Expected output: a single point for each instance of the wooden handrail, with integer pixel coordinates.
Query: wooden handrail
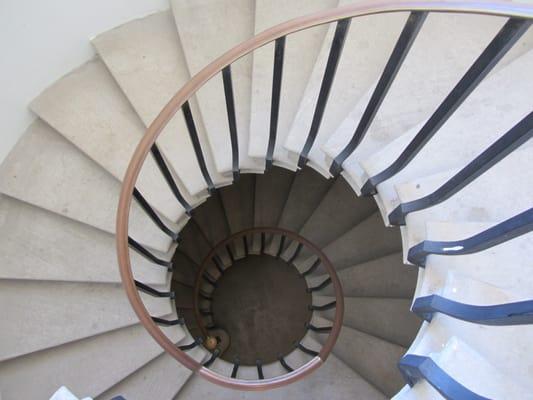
(495, 8)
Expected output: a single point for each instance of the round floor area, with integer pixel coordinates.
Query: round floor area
(262, 304)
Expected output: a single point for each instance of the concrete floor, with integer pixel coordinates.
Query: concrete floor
(262, 303)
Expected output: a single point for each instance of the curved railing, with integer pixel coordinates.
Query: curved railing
(520, 16)
(283, 240)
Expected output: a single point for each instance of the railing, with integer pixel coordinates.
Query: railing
(519, 20)
(281, 238)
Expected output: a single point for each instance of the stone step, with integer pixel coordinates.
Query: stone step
(271, 192)
(300, 53)
(373, 358)
(383, 277)
(43, 246)
(146, 59)
(369, 41)
(35, 318)
(501, 96)
(200, 26)
(365, 242)
(89, 109)
(106, 359)
(390, 319)
(238, 201)
(482, 200)
(411, 100)
(46, 170)
(307, 191)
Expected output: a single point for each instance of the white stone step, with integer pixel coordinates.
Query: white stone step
(161, 378)
(387, 318)
(41, 245)
(504, 346)
(301, 51)
(492, 110)
(373, 358)
(471, 369)
(89, 109)
(35, 317)
(485, 199)
(145, 58)
(206, 32)
(502, 266)
(46, 170)
(420, 86)
(333, 380)
(356, 73)
(383, 277)
(89, 366)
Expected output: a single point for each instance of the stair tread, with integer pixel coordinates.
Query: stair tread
(491, 266)
(383, 29)
(373, 358)
(333, 380)
(271, 191)
(386, 318)
(307, 190)
(93, 308)
(88, 108)
(199, 26)
(41, 245)
(45, 170)
(383, 277)
(211, 219)
(479, 201)
(238, 201)
(301, 51)
(501, 96)
(339, 211)
(106, 358)
(366, 241)
(411, 99)
(146, 59)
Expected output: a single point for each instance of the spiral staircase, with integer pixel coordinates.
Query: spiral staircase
(376, 155)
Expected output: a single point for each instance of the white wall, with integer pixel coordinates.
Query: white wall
(41, 40)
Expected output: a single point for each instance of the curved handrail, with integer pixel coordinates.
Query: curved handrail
(147, 145)
(324, 260)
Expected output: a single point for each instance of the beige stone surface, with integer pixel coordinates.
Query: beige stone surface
(46, 170)
(146, 59)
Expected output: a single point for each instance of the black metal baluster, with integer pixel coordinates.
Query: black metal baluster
(401, 49)
(245, 243)
(153, 215)
(263, 240)
(518, 135)
(259, 365)
(307, 350)
(153, 292)
(236, 364)
(311, 269)
(327, 81)
(190, 346)
(193, 134)
(232, 121)
(279, 51)
(281, 246)
(321, 286)
(296, 253)
(166, 322)
(513, 227)
(161, 164)
(211, 360)
(210, 279)
(318, 329)
(512, 30)
(218, 264)
(324, 307)
(284, 364)
(148, 255)
(517, 313)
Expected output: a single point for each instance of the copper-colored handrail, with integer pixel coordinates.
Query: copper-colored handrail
(337, 287)
(496, 8)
